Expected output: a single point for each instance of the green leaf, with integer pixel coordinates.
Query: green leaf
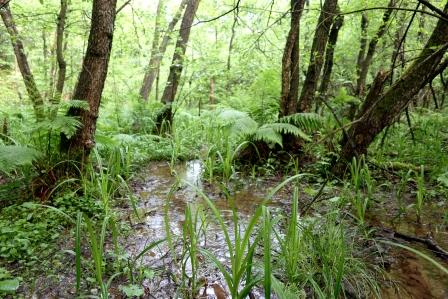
(9, 285)
(132, 290)
(13, 156)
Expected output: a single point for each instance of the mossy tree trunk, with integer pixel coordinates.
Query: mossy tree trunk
(22, 61)
(382, 110)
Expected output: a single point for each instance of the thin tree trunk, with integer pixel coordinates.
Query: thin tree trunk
(91, 79)
(232, 37)
(317, 54)
(381, 111)
(363, 46)
(144, 91)
(290, 62)
(329, 55)
(421, 26)
(62, 65)
(60, 50)
(22, 62)
(169, 94)
(157, 54)
(367, 60)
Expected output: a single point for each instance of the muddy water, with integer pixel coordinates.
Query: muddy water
(154, 194)
(415, 277)
(412, 276)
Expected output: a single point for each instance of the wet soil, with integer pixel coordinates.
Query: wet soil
(408, 275)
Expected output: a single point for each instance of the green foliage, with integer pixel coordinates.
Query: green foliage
(8, 284)
(308, 122)
(26, 231)
(241, 250)
(14, 156)
(320, 254)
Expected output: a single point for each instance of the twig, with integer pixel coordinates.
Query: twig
(401, 43)
(123, 6)
(319, 193)
(428, 242)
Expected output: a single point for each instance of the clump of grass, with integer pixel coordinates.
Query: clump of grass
(363, 185)
(240, 278)
(319, 254)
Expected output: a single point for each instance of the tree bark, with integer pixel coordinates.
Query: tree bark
(169, 94)
(60, 51)
(22, 62)
(362, 47)
(158, 51)
(367, 60)
(317, 54)
(290, 62)
(329, 54)
(381, 111)
(62, 65)
(232, 36)
(91, 79)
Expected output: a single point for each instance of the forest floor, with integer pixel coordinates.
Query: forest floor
(406, 275)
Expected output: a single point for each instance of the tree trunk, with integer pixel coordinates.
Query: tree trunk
(317, 54)
(367, 60)
(290, 62)
(22, 62)
(158, 51)
(62, 65)
(382, 110)
(91, 79)
(232, 37)
(329, 55)
(169, 94)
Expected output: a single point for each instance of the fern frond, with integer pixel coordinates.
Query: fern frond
(267, 134)
(79, 104)
(239, 122)
(60, 124)
(229, 115)
(306, 121)
(13, 156)
(285, 128)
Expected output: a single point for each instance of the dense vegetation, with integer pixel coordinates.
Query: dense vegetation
(235, 149)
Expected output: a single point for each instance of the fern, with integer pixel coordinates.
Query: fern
(14, 156)
(273, 132)
(306, 121)
(77, 104)
(60, 124)
(269, 135)
(238, 122)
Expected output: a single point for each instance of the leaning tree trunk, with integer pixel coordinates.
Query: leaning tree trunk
(317, 54)
(22, 61)
(169, 94)
(290, 62)
(91, 79)
(381, 111)
(158, 51)
(367, 60)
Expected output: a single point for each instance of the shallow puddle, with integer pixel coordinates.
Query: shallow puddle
(412, 276)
